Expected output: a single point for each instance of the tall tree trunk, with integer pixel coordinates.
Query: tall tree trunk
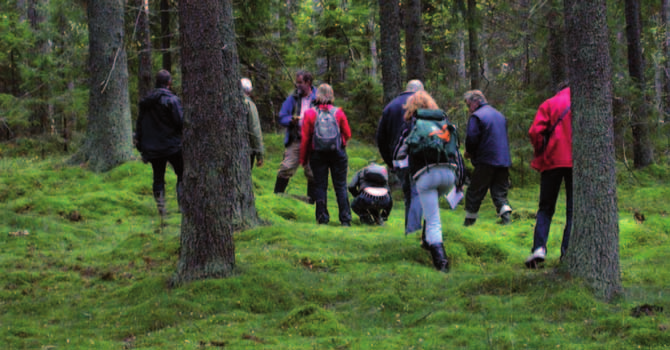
(665, 19)
(108, 134)
(218, 197)
(642, 148)
(557, 62)
(145, 67)
(473, 39)
(373, 46)
(416, 65)
(166, 35)
(593, 253)
(389, 29)
(41, 119)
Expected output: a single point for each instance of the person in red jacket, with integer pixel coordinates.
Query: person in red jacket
(553, 159)
(334, 160)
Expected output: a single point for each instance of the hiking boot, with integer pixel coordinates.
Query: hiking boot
(536, 258)
(367, 220)
(505, 219)
(469, 222)
(440, 260)
(159, 197)
(380, 220)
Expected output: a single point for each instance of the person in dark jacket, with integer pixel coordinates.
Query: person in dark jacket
(372, 197)
(391, 126)
(158, 135)
(291, 117)
(487, 147)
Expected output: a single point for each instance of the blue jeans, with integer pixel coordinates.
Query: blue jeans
(432, 184)
(159, 164)
(413, 211)
(550, 186)
(337, 163)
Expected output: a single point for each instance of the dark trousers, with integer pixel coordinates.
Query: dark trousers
(550, 186)
(483, 178)
(369, 207)
(159, 164)
(337, 162)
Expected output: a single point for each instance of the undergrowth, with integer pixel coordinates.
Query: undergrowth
(85, 265)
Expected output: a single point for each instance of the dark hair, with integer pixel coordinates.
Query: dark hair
(562, 85)
(163, 79)
(306, 76)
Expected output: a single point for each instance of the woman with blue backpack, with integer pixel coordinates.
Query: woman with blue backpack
(432, 149)
(325, 132)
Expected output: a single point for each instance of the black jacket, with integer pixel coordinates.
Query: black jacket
(159, 125)
(391, 125)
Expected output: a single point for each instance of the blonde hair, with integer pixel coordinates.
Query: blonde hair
(324, 95)
(420, 100)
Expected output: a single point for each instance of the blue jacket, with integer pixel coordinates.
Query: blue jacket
(391, 126)
(286, 115)
(486, 138)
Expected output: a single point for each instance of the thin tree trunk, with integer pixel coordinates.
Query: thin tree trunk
(145, 67)
(642, 148)
(166, 35)
(218, 197)
(473, 39)
(108, 133)
(557, 62)
(416, 64)
(665, 19)
(593, 252)
(389, 28)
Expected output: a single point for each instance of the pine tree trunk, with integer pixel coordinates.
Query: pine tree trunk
(166, 35)
(413, 41)
(642, 148)
(108, 133)
(145, 67)
(557, 62)
(389, 29)
(218, 196)
(593, 253)
(473, 39)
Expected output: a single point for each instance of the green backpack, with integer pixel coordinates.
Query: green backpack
(433, 139)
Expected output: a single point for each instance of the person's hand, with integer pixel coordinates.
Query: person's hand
(295, 119)
(259, 162)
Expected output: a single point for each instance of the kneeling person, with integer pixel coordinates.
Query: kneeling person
(372, 202)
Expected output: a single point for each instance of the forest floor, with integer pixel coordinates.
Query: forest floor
(85, 265)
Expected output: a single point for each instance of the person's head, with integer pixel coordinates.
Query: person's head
(474, 99)
(163, 79)
(414, 86)
(562, 85)
(420, 100)
(246, 86)
(303, 82)
(324, 95)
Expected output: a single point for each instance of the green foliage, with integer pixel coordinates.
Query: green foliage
(92, 271)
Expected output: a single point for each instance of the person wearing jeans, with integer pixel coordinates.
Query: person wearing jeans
(553, 160)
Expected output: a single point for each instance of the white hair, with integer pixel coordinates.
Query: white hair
(246, 85)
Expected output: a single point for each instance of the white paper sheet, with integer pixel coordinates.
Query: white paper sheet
(454, 197)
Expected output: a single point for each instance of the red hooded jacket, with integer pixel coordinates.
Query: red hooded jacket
(308, 130)
(558, 153)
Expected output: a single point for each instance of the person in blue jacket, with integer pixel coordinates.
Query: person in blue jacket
(487, 147)
(290, 117)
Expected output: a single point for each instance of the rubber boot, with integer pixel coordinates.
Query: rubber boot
(280, 184)
(440, 260)
(159, 197)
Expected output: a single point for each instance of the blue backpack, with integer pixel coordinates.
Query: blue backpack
(326, 131)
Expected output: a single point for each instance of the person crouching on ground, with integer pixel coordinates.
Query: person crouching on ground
(325, 132)
(372, 199)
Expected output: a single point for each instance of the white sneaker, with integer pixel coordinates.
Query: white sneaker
(537, 257)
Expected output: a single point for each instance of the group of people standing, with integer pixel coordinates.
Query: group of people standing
(310, 116)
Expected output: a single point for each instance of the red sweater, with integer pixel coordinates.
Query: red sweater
(559, 148)
(309, 118)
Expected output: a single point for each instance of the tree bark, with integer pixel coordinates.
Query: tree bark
(665, 15)
(166, 35)
(642, 148)
(108, 133)
(416, 63)
(473, 40)
(557, 62)
(218, 196)
(389, 29)
(145, 67)
(593, 253)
